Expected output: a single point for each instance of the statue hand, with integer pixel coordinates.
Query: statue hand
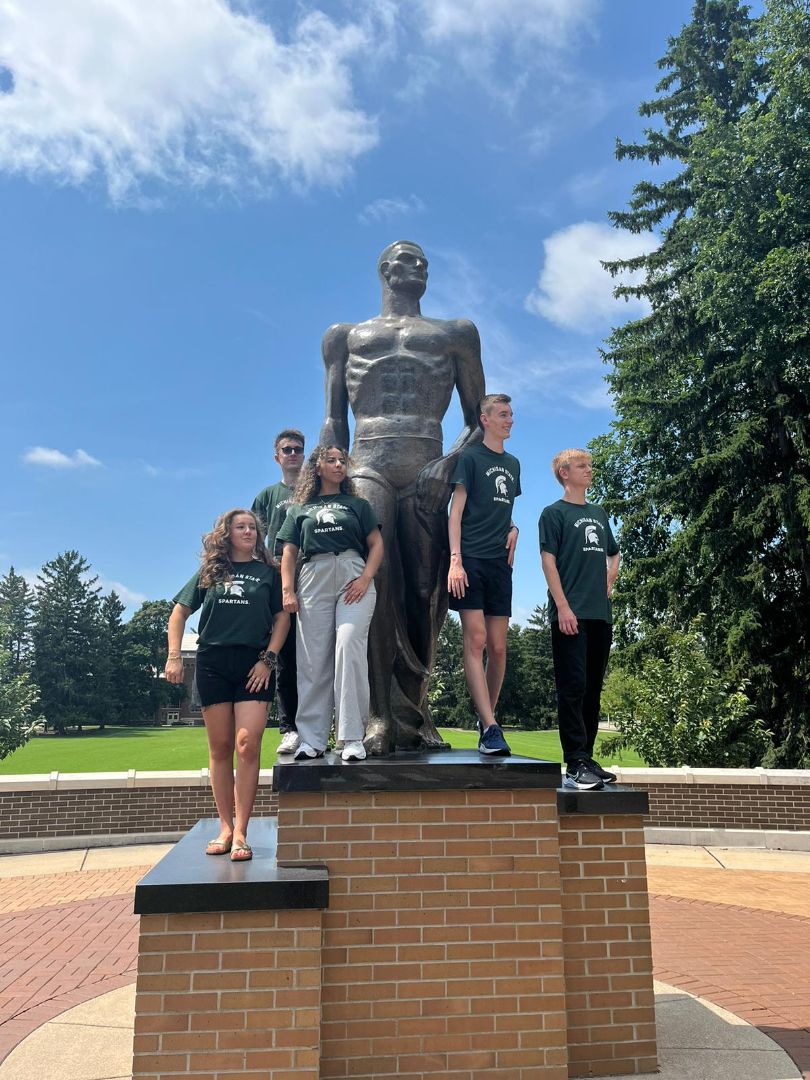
(433, 485)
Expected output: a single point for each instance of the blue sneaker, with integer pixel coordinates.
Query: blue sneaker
(491, 741)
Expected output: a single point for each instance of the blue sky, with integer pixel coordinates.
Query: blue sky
(194, 190)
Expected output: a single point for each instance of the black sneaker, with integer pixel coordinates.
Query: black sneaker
(580, 776)
(605, 776)
(491, 741)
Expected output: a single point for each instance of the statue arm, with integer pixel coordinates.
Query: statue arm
(433, 482)
(335, 351)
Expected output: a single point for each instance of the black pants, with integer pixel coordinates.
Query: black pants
(287, 683)
(580, 662)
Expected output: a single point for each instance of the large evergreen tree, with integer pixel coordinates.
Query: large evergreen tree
(16, 600)
(708, 463)
(146, 649)
(66, 641)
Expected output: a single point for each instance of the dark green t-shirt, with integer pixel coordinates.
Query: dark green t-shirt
(580, 538)
(238, 612)
(492, 482)
(328, 524)
(271, 506)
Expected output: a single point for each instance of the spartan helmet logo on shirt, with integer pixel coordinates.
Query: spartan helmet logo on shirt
(591, 535)
(325, 517)
(500, 485)
(233, 588)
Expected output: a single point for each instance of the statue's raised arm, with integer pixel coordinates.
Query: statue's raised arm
(335, 352)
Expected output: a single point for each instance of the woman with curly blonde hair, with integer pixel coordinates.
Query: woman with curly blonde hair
(341, 546)
(242, 627)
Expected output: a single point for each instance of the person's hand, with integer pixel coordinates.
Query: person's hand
(174, 670)
(567, 620)
(258, 678)
(511, 544)
(457, 579)
(356, 589)
(289, 601)
(433, 485)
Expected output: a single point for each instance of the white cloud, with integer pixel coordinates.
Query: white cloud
(192, 92)
(384, 209)
(128, 597)
(549, 22)
(574, 290)
(55, 459)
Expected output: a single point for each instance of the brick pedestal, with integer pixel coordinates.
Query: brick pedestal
(606, 935)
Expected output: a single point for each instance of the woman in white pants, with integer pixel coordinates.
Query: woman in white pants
(332, 528)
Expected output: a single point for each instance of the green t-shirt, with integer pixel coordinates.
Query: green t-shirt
(492, 482)
(237, 612)
(271, 506)
(328, 524)
(580, 538)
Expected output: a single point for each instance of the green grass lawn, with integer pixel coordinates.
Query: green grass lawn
(120, 749)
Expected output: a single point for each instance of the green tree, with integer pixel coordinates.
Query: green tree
(113, 675)
(708, 463)
(676, 710)
(66, 641)
(16, 600)
(146, 648)
(19, 718)
(448, 698)
(539, 687)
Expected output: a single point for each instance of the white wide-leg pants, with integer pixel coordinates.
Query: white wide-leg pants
(331, 650)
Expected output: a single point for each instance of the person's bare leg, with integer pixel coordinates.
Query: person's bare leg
(474, 637)
(497, 627)
(219, 727)
(250, 723)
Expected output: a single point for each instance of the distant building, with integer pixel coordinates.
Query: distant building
(188, 711)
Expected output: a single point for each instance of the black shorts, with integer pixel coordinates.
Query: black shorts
(489, 589)
(222, 673)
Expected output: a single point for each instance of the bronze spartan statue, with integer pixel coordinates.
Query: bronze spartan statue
(397, 372)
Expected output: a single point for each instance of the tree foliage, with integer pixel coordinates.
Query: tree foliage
(676, 710)
(19, 718)
(16, 601)
(708, 462)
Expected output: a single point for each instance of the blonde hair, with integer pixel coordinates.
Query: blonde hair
(566, 458)
(215, 558)
(309, 480)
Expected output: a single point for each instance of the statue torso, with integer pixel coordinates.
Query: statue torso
(400, 375)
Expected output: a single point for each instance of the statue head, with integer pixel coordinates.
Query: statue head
(403, 268)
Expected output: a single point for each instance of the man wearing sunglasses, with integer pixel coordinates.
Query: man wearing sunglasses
(271, 506)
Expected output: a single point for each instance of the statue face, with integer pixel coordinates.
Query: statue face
(406, 271)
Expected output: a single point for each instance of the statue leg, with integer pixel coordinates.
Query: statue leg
(382, 638)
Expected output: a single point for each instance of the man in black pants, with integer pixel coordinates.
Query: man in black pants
(580, 561)
(271, 506)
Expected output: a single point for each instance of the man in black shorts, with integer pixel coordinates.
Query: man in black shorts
(271, 506)
(482, 549)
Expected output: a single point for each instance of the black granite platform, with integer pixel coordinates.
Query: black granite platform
(403, 771)
(612, 799)
(186, 879)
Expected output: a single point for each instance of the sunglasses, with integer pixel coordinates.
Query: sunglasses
(288, 450)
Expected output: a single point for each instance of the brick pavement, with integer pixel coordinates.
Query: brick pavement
(740, 938)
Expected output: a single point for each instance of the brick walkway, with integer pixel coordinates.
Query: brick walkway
(64, 938)
(740, 938)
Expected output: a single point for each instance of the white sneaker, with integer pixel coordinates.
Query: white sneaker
(306, 751)
(289, 743)
(353, 751)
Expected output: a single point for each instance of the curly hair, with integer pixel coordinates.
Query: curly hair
(309, 482)
(215, 557)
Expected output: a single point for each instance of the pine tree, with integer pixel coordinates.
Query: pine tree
(16, 600)
(708, 464)
(66, 641)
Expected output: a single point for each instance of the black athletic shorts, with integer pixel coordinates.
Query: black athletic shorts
(489, 589)
(222, 672)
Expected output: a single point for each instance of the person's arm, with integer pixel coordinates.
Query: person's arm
(566, 618)
(456, 578)
(177, 624)
(358, 587)
(259, 675)
(335, 352)
(612, 571)
(511, 543)
(288, 560)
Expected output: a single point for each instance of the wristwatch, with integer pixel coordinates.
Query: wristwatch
(268, 657)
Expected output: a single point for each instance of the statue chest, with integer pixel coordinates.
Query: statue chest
(401, 358)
